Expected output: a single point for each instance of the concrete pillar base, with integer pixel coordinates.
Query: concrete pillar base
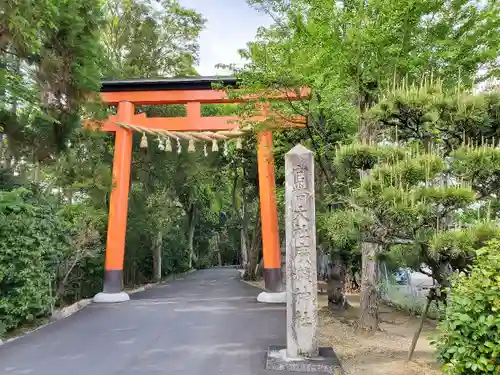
(103, 297)
(267, 297)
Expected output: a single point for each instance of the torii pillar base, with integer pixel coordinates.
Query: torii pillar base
(269, 297)
(103, 297)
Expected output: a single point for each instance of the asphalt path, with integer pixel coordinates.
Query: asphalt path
(205, 323)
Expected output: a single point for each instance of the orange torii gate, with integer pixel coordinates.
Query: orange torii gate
(192, 92)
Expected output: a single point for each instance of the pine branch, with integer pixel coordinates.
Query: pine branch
(401, 241)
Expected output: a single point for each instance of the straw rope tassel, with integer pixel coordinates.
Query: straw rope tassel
(205, 150)
(144, 141)
(161, 147)
(168, 145)
(192, 137)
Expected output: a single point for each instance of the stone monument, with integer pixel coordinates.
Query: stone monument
(301, 352)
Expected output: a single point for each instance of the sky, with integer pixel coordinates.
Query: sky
(230, 25)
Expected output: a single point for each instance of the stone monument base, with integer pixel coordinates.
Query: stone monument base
(327, 362)
(111, 297)
(268, 297)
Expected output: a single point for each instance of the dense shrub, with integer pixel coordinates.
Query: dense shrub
(79, 272)
(32, 239)
(469, 337)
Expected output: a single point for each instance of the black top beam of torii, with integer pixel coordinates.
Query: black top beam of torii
(163, 84)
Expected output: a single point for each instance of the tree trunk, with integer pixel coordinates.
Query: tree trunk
(253, 251)
(351, 285)
(157, 256)
(336, 285)
(244, 230)
(217, 250)
(69, 195)
(368, 318)
(192, 217)
(244, 251)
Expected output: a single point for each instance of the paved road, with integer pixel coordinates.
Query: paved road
(208, 323)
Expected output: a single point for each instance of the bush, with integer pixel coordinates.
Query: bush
(469, 337)
(31, 239)
(79, 272)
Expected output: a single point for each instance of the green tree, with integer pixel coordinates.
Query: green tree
(50, 63)
(349, 53)
(418, 196)
(144, 39)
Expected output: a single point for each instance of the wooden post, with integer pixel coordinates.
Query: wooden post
(430, 297)
(117, 220)
(268, 212)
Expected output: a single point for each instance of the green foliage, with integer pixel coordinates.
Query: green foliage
(50, 62)
(348, 52)
(345, 228)
(479, 166)
(33, 239)
(424, 194)
(461, 243)
(450, 118)
(432, 202)
(412, 199)
(78, 273)
(7, 180)
(469, 337)
(146, 39)
(51, 57)
(357, 156)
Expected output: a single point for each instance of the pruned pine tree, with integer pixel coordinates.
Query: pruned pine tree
(435, 202)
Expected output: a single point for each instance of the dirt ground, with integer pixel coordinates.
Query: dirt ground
(385, 352)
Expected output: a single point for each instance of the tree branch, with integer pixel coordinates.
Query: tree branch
(401, 241)
(424, 272)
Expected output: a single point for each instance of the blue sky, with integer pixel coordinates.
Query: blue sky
(230, 25)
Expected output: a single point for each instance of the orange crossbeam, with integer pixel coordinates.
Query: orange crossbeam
(187, 96)
(192, 124)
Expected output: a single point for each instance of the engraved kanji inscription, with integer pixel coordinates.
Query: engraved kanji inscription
(301, 253)
(302, 237)
(299, 178)
(299, 203)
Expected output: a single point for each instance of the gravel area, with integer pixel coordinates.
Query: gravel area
(383, 353)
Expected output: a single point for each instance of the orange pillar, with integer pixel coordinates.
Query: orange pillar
(118, 208)
(268, 213)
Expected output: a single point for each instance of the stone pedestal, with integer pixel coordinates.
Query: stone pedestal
(301, 352)
(326, 361)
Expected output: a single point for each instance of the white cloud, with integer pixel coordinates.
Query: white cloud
(230, 25)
